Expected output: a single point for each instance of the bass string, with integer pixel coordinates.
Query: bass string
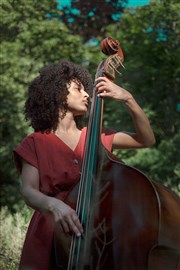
(84, 194)
(85, 187)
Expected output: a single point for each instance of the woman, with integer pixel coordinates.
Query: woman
(50, 159)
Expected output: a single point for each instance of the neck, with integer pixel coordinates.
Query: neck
(66, 124)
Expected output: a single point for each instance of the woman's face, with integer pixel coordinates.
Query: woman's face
(77, 99)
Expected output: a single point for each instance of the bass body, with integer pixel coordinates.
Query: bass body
(130, 222)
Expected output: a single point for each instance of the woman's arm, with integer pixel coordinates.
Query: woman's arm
(144, 136)
(37, 200)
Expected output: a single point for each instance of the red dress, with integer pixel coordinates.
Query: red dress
(59, 170)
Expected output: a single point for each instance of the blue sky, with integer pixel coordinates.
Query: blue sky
(132, 3)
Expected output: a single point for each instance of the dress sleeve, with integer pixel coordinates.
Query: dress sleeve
(107, 136)
(26, 150)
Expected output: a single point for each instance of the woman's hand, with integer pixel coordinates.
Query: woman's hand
(143, 136)
(65, 216)
(106, 88)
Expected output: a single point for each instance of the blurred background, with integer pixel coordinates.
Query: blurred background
(35, 33)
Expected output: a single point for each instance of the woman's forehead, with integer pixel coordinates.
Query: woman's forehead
(76, 82)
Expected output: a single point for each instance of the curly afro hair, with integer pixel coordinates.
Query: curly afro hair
(47, 94)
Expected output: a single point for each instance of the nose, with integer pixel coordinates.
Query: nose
(85, 94)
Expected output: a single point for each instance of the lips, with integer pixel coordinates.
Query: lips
(86, 102)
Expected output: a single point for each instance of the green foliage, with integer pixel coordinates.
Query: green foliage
(12, 233)
(32, 36)
(150, 39)
(30, 39)
(160, 163)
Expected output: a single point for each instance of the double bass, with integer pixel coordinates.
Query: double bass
(129, 221)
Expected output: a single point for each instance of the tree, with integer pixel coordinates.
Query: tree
(31, 37)
(150, 39)
(89, 18)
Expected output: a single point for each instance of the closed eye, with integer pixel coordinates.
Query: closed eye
(78, 88)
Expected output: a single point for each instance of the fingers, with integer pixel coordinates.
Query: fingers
(75, 225)
(102, 81)
(66, 217)
(64, 226)
(103, 90)
(71, 223)
(107, 88)
(103, 87)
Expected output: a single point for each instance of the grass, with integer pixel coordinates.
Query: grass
(13, 228)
